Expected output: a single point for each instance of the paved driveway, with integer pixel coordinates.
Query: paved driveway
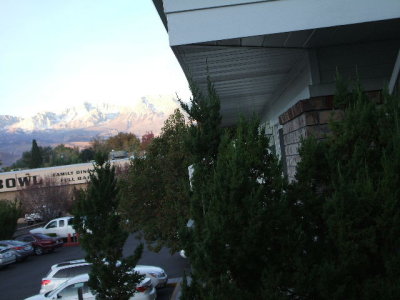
(21, 280)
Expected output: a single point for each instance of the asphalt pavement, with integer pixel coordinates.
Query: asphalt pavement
(21, 280)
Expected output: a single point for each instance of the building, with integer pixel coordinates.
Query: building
(74, 176)
(279, 58)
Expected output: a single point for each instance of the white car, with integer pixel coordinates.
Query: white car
(59, 273)
(62, 227)
(158, 277)
(69, 290)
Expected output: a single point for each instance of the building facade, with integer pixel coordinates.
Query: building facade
(74, 176)
(279, 59)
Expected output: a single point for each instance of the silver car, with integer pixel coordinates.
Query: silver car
(71, 288)
(22, 249)
(7, 256)
(61, 272)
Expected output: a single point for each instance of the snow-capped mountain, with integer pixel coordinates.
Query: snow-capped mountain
(79, 124)
(6, 120)
(89, 115)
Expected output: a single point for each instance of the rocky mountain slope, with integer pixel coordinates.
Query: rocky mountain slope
(78, 125)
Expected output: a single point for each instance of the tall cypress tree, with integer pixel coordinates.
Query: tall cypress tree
(102, 237)
(202, 142)
(235, 244)
(36, 156)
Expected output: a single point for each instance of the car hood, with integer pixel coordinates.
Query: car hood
(36, 230)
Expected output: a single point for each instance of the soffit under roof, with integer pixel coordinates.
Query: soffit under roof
(248, 72)
(245, 78)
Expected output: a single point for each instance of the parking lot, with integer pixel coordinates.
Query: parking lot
(21, 280)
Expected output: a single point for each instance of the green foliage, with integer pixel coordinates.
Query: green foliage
(62, 155)
(202, 141)
(36, 156)
(155, 198)
(86, 155)
(205, 132)
(9, 214)
(344, 206)
(23, 162)
(123, 141)
(235, 244)
(99, 224)
(331, 234)
(120, 142)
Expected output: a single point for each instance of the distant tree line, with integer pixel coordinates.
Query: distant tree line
(47, 156)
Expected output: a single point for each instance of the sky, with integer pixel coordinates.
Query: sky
(59, 53)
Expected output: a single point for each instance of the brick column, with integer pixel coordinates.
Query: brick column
(306, 118)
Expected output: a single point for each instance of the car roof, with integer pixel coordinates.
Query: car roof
(82, 261)
(67, 265)
(36, 235)
(143, 268)
(62, 218)
(12, 242)
(85, 277)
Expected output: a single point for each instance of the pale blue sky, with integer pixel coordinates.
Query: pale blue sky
(58, 53)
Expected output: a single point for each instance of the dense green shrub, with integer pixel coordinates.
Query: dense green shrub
(9, 213)
(344, 207)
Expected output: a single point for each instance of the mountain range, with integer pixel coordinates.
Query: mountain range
(78, 125)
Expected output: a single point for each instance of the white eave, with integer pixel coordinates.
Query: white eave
(258, 52)
(193, 21)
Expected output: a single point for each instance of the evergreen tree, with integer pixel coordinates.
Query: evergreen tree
(205, 130)
(202, 141)
(155, 193)
(9, 214)
(99, 224)
(234, 247)
(344, 205)
(36, 156)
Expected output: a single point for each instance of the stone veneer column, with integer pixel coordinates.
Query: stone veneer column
(309, 118)
(306, 118)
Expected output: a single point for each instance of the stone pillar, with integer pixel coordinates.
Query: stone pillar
(306, 118)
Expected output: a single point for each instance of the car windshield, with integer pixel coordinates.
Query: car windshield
(59, 288)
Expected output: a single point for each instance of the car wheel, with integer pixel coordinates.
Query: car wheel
(39, 251)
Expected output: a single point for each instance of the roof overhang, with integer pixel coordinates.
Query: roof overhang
(252, 50)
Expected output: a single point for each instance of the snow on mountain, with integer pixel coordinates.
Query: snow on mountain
(6, 120)
(79, 124)
(125, 118)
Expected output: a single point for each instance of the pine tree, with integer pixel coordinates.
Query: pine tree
(202, 142)
(99, 224)
(344, 205)
(234, 245)
(36, 156)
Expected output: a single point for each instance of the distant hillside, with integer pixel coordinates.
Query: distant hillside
(78, 125)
